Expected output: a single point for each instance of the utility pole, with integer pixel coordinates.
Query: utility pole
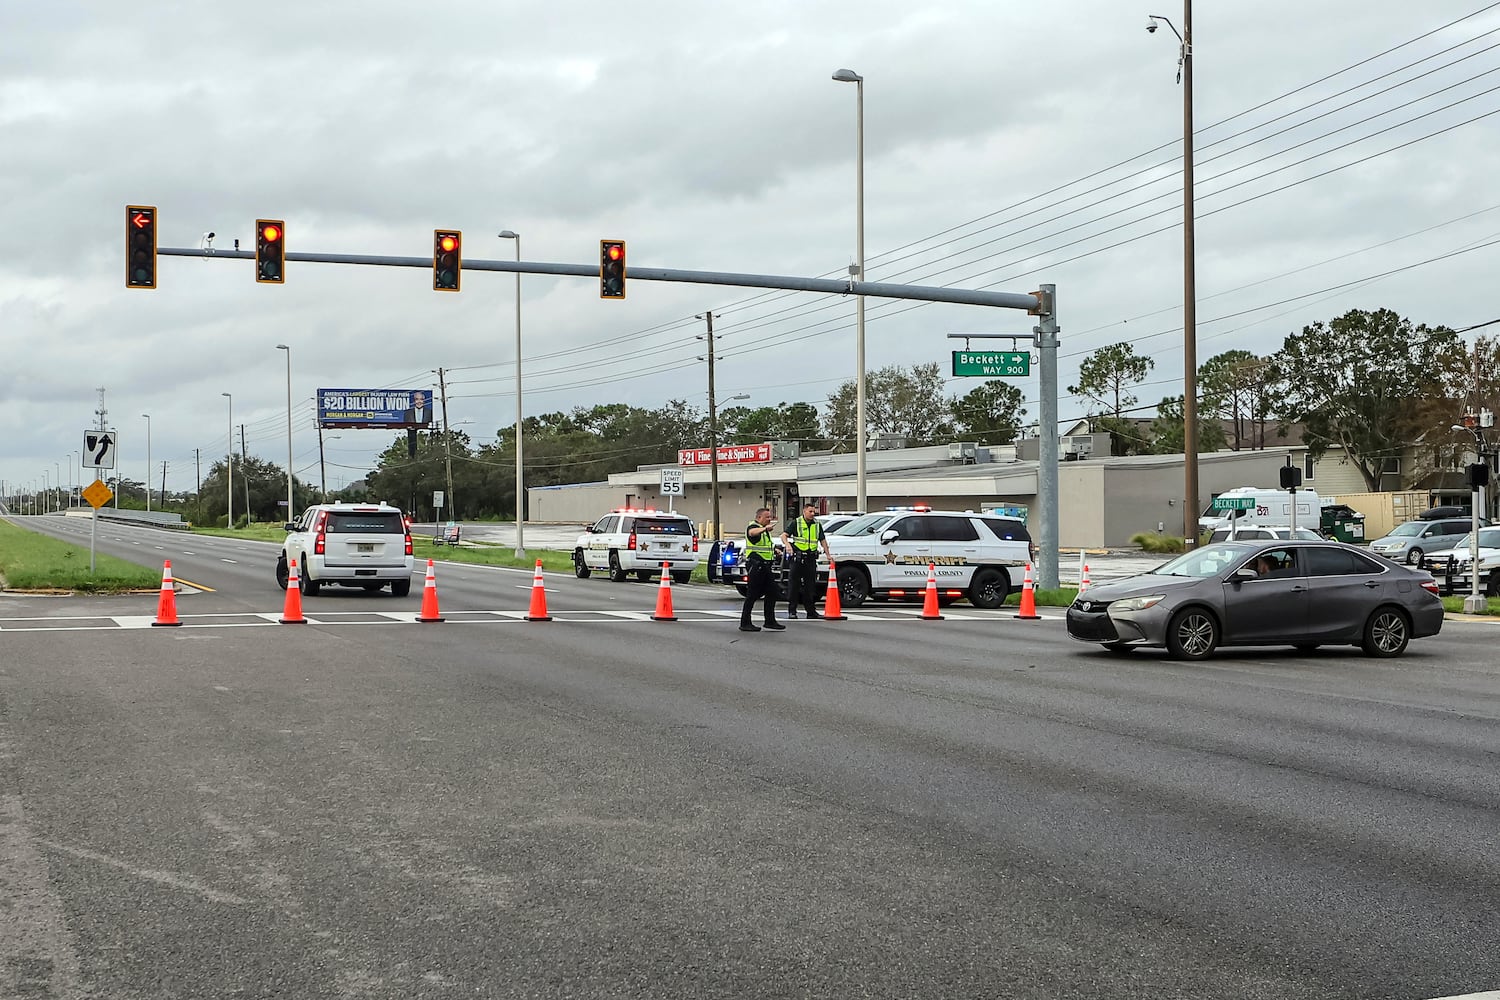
(448, 450)
(713, 433)
(164, 484)
(245, 475)
(1046, 473)
(322, 464)
(198, 464)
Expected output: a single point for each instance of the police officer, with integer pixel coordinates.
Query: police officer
(759, 585)
(802, 540)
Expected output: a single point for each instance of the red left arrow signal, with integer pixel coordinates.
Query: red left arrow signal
(141, 220)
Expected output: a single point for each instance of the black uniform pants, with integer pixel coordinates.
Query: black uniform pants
(759, 586)
(802, 580)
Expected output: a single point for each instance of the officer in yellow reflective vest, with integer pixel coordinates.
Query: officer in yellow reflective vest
(759, 585)
(802, 540)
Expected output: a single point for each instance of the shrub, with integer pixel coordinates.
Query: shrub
(1152, 542)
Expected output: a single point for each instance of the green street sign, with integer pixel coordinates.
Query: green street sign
(992, 364)
(1233, 503)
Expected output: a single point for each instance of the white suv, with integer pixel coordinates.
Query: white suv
(353, 544)
(638, 540)
(979, 556)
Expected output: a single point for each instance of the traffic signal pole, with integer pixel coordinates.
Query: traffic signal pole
(833, 286)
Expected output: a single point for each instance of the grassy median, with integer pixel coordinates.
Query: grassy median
(29, 561)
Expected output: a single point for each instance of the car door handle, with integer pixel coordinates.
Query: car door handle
(1298, 589)
(1371, 584)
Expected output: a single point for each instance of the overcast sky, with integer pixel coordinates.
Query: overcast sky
(1007, 144)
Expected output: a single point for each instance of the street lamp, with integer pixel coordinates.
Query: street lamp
(858, 272)
(1189, 280)
(148, 461)
(229, 461)
(289, 511)
(520, 477)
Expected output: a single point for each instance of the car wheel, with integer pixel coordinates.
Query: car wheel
(1414, 557)
(854, 586)
(1386, 633)
(400, 588)
(283, 575)
(744, 590)
(581, 568)
(309, 586)
(616, 574)
(1192, 634)
(682, 575)
(1492, 589)
(988, 589)
(1119, 648)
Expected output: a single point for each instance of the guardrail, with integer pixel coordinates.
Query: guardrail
(150, 519)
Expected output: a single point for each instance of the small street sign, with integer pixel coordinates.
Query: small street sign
(1233, 503)
(437, 499)
(992, 364)
(99, 449)
(97, 494)
(671, 483)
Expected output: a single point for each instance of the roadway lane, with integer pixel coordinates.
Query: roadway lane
(969, 808)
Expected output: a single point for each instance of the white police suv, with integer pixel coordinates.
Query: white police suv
(981, 557)
(637, 540)
(351, 544)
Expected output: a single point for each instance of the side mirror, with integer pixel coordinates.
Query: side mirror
(289, 526)
(889, 535)
(1244, 573)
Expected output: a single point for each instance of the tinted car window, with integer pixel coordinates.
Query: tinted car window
(1279, 562)
(1006, 530)
(1331, 562)
(1455, 527)
(912, 529)
(869, 524)
(1366, 564)
(365, 524)
(663, 526)
(606, 524)
(950, 528)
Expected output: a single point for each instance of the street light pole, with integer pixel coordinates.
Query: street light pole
(229, 462)
(148, 461)
(849, 76)
(520, 474)
(289, 511)
(1189, 279)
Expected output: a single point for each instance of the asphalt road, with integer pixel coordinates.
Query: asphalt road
(606, 806)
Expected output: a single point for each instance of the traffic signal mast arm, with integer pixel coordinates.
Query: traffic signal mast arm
(877, 289)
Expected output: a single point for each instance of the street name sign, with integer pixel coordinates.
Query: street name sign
(1233, 503)
(992, 364)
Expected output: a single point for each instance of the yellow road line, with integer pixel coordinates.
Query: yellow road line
(195, 586)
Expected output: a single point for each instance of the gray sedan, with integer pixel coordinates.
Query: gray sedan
(1283, 593)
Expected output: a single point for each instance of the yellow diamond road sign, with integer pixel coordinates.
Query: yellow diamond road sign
(97, 494)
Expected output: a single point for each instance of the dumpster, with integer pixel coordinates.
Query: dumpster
(1343, 524)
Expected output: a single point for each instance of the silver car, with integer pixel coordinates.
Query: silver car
(1284, 593)
(1407, 542)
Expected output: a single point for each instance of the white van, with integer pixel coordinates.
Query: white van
(1271, 507)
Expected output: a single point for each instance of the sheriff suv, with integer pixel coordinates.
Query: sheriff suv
(982, 557)
(637, 540)
(351, 544)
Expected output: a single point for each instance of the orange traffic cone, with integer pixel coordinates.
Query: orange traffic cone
(1083, 584)
(291, 614)
(833, 611)
(930, 601)
(1028, 598)
(538, 612)
(664, 597)
(166, 601)
(429, 598)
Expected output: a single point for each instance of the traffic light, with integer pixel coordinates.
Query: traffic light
(270, 251)
(1479, 475)
(447, 259)
(140, 246)
(611, 269)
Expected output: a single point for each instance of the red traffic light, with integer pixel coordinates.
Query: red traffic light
(140, 246)
(271, 234)
(611, 269)
(448, 243)
(447, 259)
(616, 252)
(270, 251)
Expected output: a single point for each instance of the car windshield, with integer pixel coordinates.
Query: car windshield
(867, 525)
(1489, 538)
(1211, 560)
(1408, 529)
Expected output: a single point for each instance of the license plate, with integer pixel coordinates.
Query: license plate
(364, 547)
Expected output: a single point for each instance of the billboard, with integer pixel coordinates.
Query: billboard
(384, 408)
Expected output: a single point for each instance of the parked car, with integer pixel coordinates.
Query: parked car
(1295, 593)
(1407, 542)
(1452, 567)
(637, 540)
(1261, 533)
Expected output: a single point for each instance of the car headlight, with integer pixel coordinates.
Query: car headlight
(1138, 603)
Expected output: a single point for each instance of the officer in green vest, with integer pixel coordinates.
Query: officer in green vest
(802, 540)
(759, 555)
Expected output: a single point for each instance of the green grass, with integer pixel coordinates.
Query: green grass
(1456, 605)
(1151, 542)
(1059, 598)
(255, 532)
(29, 561)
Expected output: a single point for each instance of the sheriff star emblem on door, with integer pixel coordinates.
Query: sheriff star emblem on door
(890, 556)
